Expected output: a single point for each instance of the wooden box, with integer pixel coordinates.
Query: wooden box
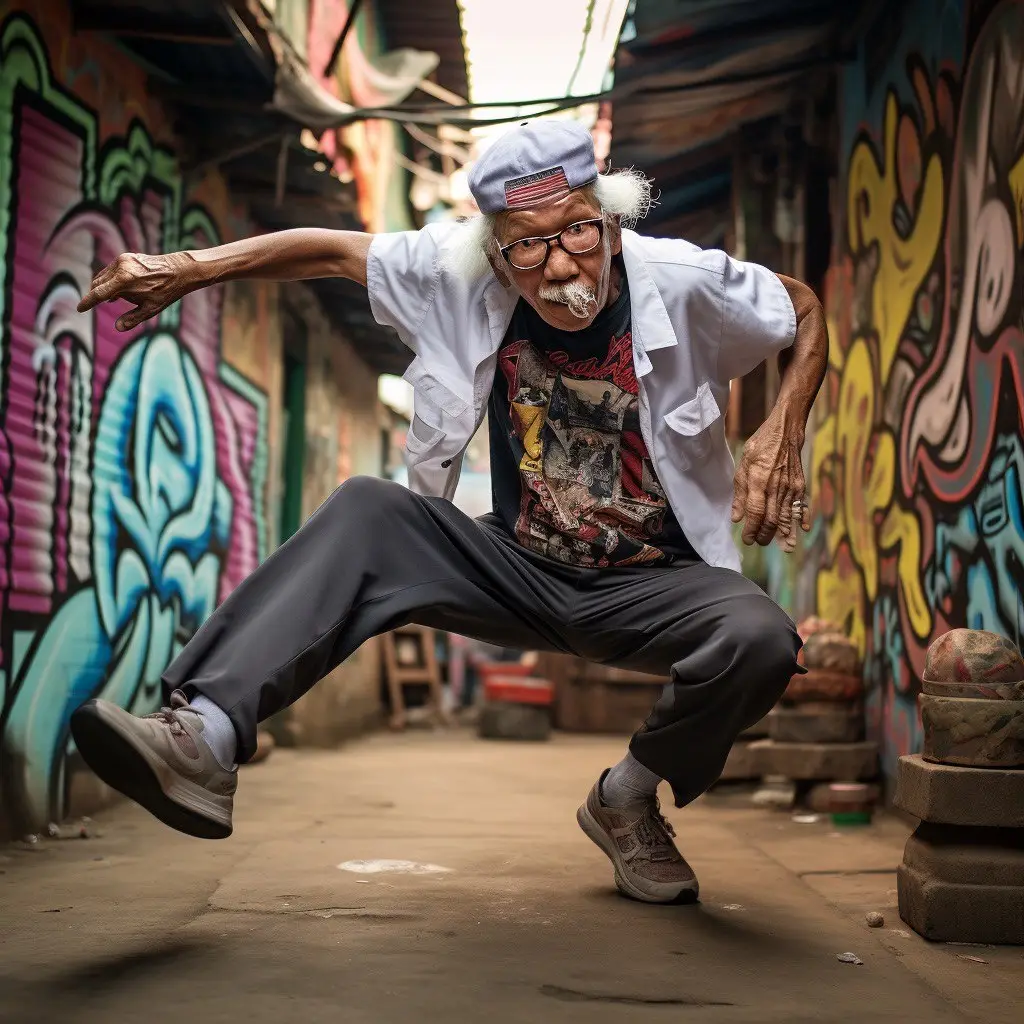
(597, 698)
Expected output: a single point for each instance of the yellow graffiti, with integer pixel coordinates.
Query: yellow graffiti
(840, 598)
(901, 529)
(858, 455)
(1017, 190)
(854, 451)
(903, 262)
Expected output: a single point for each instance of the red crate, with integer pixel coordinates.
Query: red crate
(488, 669)
(519, 690)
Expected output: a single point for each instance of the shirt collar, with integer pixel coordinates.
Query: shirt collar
(652, 328)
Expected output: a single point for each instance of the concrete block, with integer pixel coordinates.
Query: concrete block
(956, 795)
(819, 684)
(499, 721)
(974, 732)
(832, 652)
(836, 761)
(963, 884)
(817, 722)
(967, 854)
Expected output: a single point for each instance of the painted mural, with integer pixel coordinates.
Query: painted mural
(917, 468)
(132, 465)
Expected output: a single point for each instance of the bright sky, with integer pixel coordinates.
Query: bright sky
(527, 49)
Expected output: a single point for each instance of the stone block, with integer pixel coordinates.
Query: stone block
(832, 652)
(975, 656)
(974, 732)
(819, 685)
(500, 721)
(817, 722)
(846, 761)
(742, 763)
(956, 795)
(963, 884)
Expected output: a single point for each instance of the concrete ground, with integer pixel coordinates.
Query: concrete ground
(142, 924)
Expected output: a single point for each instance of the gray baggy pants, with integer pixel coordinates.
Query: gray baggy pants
(375, 556)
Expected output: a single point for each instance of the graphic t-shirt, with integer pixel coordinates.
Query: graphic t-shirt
(571, 475)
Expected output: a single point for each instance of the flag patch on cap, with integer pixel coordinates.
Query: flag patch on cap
(532, 188)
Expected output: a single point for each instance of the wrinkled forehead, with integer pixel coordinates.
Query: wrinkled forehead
(547, 218)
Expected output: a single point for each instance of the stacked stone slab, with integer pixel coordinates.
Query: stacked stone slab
(962, 877)
(816, 732)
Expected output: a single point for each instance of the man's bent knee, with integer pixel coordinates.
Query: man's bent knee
(369, 496)
(764, 640)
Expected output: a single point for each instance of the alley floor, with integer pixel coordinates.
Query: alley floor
(142, 924)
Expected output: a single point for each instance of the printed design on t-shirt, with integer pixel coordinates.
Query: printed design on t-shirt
(590, 495)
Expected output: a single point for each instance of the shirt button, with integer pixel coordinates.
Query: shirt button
(446, 463)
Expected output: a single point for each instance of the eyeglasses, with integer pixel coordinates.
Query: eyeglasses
(577, 239)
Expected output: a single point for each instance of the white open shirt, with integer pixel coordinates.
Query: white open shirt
(700, 319)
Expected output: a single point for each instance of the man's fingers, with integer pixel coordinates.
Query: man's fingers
(102, 292)
(786, 513)
(775, 494)
(756, 506)
(739, 501)
(129, 320)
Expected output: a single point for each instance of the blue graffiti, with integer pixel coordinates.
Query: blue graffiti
(982, 550)
(160, 518)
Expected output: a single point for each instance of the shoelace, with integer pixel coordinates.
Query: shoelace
(171, 716)
(656, 833)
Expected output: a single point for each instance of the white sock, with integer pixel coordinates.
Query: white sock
(218, 731)
(628, 782)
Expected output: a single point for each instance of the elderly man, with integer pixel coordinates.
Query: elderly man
(602, 360)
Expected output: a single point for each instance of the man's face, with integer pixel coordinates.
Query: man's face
(548, 286)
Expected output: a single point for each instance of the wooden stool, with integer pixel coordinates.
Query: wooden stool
(425, 670)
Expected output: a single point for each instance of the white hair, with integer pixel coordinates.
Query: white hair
(624, 194)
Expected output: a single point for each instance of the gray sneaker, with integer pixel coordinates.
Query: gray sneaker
(161, 762)
(638, 841)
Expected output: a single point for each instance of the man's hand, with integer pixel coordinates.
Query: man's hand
(151, 283)
(770, 484)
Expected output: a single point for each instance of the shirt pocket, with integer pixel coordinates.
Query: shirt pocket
(695, 425)
(421, 437)
(438, 411)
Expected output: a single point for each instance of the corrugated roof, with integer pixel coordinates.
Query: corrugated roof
(693, 73)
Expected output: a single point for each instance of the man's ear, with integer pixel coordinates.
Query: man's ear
(497, 264)
(615, 234)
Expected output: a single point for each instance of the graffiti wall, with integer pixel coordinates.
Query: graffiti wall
(132, 466)
(918, 461)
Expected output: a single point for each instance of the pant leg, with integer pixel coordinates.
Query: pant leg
(374, 556)
(729, 652)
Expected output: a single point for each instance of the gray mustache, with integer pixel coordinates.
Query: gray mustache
(578, 298)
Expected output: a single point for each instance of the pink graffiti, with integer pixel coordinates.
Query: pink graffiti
(59, 363)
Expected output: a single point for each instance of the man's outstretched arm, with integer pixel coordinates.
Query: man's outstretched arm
(770, 477)
(152, 283)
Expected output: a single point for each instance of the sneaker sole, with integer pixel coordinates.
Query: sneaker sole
(142, 777)
(670, 893)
